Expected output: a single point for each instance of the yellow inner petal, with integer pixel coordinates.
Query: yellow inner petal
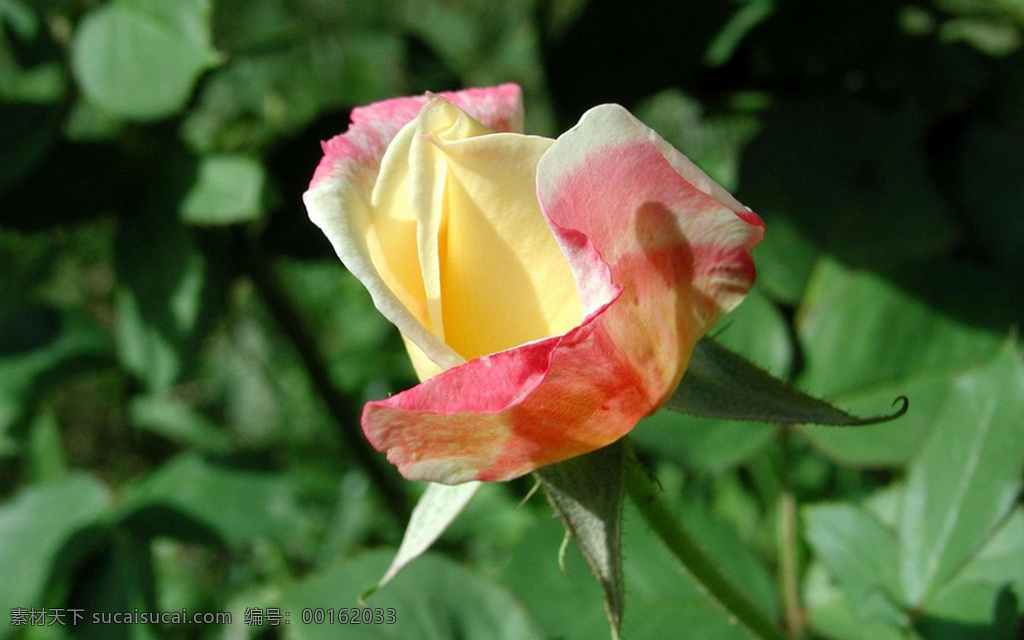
(391, 229)
(504, 279)
(457, 233)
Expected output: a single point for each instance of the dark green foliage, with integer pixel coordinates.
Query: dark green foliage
(170, 320)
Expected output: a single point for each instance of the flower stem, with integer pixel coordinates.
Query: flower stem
(342, 408)
(701, 567)
(789, 567)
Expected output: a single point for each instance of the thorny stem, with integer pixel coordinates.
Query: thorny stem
(343, 408)
(694, 559)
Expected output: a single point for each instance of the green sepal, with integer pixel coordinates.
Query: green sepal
(436, 510)
(721, 384)
(587, 494)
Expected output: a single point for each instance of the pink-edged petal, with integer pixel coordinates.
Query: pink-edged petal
(372, 127)
(657, 259)
(677, 243)
(501, 416)
(339, 202)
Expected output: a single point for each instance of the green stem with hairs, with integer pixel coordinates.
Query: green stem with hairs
(662, 521)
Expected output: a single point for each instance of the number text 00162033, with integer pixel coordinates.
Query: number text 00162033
(349, 615)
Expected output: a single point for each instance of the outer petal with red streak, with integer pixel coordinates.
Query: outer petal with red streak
(677, 243)
(659, 252)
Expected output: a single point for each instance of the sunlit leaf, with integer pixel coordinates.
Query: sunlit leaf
(34, 527)
(966, 477)
(859, 551)
(869, 337)
(228, 190)
(832, 613)
(141, 58)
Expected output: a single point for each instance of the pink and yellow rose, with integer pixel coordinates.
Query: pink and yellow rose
(549, 292)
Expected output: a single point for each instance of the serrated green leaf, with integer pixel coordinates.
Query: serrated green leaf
(433, 599)
(437, 508)
(140, 58)
(34, 526)
(870, 336)
(721, 384)
(587, 494)
(883, 445)
(965, 478)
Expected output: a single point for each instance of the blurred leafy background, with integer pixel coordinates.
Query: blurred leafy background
(182, 359)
